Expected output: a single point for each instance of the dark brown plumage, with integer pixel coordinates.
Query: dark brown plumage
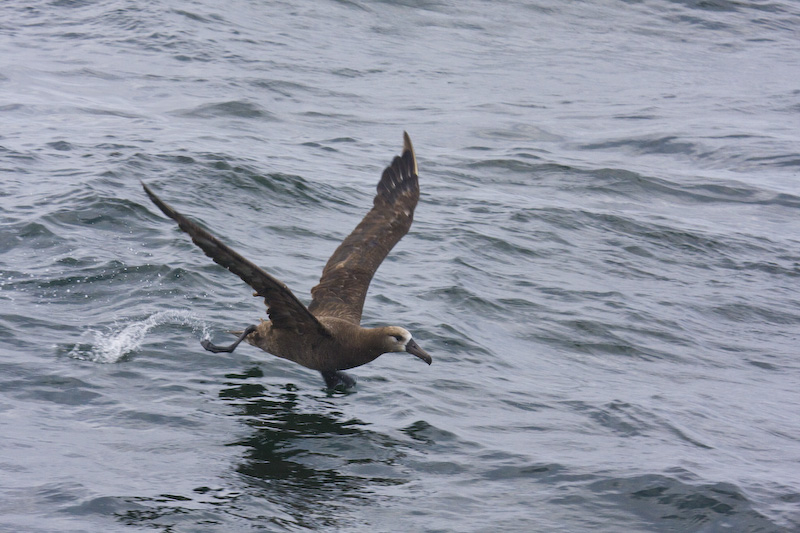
(327, 336)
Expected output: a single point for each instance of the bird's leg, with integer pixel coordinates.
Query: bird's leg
(335, 377)
(217, 349)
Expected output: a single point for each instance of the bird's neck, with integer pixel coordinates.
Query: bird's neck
(368, 345)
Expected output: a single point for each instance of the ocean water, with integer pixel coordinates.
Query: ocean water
(604, 265)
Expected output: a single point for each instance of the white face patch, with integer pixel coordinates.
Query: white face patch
(399, 338)
(404, 341)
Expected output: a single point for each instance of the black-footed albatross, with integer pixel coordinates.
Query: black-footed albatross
(327, 335)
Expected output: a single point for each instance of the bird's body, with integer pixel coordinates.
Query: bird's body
(327, 336)
(348, 346)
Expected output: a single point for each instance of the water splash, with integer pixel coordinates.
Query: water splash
(115, 345)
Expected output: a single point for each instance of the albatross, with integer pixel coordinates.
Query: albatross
(327, 335)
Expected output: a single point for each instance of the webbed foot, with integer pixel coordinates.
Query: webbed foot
(337, 377)
(228, 349)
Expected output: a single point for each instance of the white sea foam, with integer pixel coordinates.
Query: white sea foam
(114, 345)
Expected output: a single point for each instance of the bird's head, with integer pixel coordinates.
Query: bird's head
(397, 339)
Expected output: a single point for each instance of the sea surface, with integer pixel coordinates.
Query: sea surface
(604, 265)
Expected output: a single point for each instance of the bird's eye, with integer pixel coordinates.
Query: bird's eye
(398, 338)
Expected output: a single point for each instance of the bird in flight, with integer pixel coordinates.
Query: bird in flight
(327, 335)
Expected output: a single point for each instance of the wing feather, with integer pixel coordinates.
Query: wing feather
(284, 309)
(346, 277)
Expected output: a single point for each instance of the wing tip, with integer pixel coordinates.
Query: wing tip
(161, 204)
(400, 177)
(146, 189)
(408, 147)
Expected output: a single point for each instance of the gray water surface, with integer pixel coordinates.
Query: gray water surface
(604, 265)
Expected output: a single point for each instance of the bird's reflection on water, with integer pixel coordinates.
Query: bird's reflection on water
(309, 464)
(301, 468)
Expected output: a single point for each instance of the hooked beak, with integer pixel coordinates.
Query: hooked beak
(413, 348)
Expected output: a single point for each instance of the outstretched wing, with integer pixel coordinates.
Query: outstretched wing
(343, 286)
(284, 309)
